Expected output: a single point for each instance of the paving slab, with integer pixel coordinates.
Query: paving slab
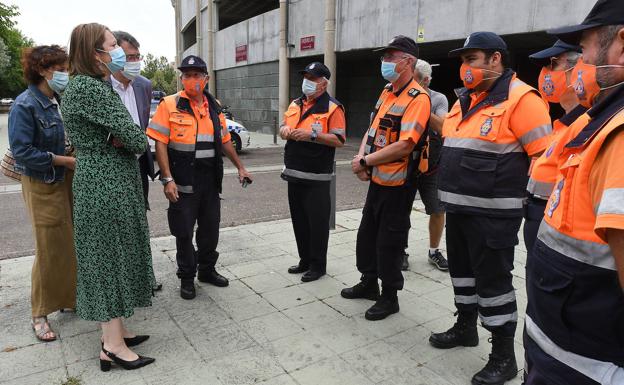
(266, 327)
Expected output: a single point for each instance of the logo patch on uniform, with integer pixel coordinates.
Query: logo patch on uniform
(467, 41)
(579, 87)
(191, 61)
(413, 92)
(551, 149)
(380, 140)
(317, 127)
(555, 198)
(312, 66)
(486, 127)
(548, 87)
(469, 78)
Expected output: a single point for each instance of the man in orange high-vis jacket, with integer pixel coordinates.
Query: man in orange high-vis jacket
(555, 86)
(191, 136)
(314, 125)
(497, 123)
(575, 277)
(388, 157)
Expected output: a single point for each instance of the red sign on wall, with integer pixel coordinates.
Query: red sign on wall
(241, 53)
(307, 43)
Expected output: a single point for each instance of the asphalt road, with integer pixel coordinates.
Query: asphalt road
(265, 199)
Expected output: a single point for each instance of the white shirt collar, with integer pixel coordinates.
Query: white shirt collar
(119, 85)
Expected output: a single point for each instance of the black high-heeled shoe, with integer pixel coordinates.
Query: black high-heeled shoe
(136, 340)
(140, 362)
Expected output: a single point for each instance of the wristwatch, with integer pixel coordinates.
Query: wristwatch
(363, 161)
(313, 136)
(164, 181)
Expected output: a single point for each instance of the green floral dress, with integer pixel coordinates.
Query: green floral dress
(110, 225)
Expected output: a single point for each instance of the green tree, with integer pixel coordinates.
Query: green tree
(5, 59)
(162, 74)
(154, 64)
(11, 78)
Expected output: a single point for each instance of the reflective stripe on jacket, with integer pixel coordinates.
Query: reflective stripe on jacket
(484, 165)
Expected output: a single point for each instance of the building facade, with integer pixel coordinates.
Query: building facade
(255, 48)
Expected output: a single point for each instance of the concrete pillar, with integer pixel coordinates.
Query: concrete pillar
(198, 29)
(330, 43)
(284, 68)
(211, 45)
(177, 5)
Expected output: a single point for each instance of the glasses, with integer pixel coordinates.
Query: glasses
(194, 75)
(388, 57)
(134, 57)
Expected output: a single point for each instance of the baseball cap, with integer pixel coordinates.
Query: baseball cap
(317, 69)
(604, 12)
(543, 57)
(403, 44)
(481, 40)
(193, 62)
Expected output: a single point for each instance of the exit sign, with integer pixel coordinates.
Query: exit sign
(307, 43)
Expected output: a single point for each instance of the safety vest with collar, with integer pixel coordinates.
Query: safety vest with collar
(190, 144)
(387, 124)
(311, 161)
(576, 304)
(484, 166)
(544, 169)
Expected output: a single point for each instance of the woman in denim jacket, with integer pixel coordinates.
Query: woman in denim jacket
(37, 139)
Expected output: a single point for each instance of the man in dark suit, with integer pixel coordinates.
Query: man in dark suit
(135, 92)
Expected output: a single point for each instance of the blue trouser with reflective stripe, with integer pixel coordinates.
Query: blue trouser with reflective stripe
(480, 256)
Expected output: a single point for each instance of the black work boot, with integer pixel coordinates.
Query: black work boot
(405, 263)
(463, 333)
(367, 288)
(386, 305)
(501, 366)
(187, 288)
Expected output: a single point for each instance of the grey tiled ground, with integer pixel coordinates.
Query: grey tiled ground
(266, 327)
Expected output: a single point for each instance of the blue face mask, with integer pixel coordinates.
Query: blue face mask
(59, 81)
(308, 87)
(132, 69)
(118, 59)
(388, 70)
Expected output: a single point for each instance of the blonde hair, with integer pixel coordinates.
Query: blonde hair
(85, 40)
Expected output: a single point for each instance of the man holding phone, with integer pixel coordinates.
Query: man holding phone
(191, 135)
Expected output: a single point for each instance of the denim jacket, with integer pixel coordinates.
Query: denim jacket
(36, 132)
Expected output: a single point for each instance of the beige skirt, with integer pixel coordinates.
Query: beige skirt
(54, 268)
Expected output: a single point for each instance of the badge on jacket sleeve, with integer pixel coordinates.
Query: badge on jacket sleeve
(486, 127)
(555, 198)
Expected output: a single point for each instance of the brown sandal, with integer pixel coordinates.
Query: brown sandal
(45, 329)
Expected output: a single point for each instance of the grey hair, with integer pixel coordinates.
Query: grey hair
(424, 70)
(122, 36)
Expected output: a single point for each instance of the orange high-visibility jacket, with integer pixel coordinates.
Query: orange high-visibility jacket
(398, 117)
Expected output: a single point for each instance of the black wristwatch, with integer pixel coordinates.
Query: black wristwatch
(363, 161)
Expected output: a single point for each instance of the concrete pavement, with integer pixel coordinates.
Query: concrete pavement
(266, 327)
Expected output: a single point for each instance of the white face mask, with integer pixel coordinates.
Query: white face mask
(308, 87)
(132, 69)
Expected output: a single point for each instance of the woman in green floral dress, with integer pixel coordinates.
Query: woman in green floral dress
(110, 226)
